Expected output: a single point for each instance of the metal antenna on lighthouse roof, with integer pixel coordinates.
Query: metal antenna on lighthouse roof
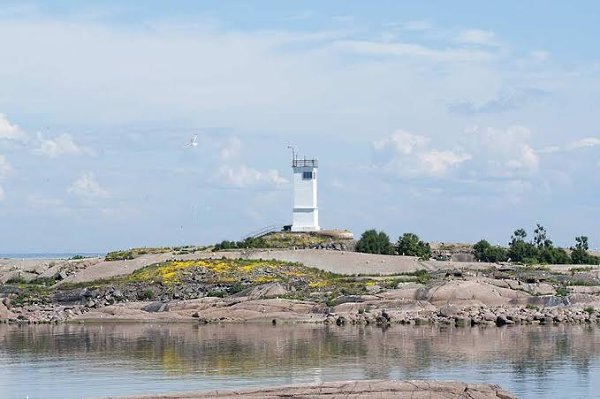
(293, 152)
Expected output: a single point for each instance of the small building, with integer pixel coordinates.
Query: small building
(306, 212)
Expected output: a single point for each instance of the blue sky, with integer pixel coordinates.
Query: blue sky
(456, 121)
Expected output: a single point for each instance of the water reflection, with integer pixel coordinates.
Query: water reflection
(530, 360)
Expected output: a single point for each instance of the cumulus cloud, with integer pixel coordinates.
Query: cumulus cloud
(440, 162)
(478, 37)
(243, 176)
(402, 142)
(490, 152)
(502, 152)
(230, 149)
(10, 131)
(86, 186)
(408, 155)
(233, 172)
(62, 144)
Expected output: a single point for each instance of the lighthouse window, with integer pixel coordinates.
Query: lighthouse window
(307, 175)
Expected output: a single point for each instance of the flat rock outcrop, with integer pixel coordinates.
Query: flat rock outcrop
(471, 292)
(369, 389)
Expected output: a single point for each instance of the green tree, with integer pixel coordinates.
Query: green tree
(520, 250)
(485, 252)
(409, 244)
(480, 248)
(374, 242)
(540, 239)
(580, 255)
(554, 256)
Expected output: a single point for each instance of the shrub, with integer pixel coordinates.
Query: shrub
(146, 295)
(485, 252)
(589, 310)
(423, 276)
(374, 242)
(409, 244)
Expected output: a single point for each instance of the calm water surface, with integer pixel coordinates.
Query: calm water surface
(93, 360)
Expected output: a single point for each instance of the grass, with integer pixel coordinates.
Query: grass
(232, 272)
(582, 269)
(134, 253)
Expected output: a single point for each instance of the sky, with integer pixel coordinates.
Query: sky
(456, 121)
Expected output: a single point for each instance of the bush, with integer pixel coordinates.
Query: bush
(485, 252)
(409, 244)
(146, 295)
(374, 242)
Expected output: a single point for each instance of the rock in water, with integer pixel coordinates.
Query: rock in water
(380, 389)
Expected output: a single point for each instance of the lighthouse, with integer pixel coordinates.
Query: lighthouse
(306, 212)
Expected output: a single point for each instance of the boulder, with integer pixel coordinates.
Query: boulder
(155, 307)
(471, 292)
(5, 313)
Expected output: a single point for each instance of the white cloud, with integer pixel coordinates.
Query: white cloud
(402, 141)
(233, 172)
(583, 143)
(587, 142)
(5, 168)
(62, 144)
(478, 37)
(9, 131)
(408, 155)
(87, 187)
(243, 176)
(400, 49)
(502, 152)
(440, 162)
(230, 149)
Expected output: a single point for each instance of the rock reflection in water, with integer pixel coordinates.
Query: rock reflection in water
(267, 355)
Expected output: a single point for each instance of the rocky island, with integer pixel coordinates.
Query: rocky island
(327, 284)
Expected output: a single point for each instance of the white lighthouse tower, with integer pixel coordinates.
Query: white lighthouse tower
(306, 212)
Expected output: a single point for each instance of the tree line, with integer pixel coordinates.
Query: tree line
(538, 250)
(378, 242)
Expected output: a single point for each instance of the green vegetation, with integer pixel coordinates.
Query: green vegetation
(580, 255)
(281, 240)
(540, 250)
(422, 276)
(375, 242)
(562, 291)
(135, 252)
(589, 310)
(485, 252)
(409, 244)
(378, 242)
